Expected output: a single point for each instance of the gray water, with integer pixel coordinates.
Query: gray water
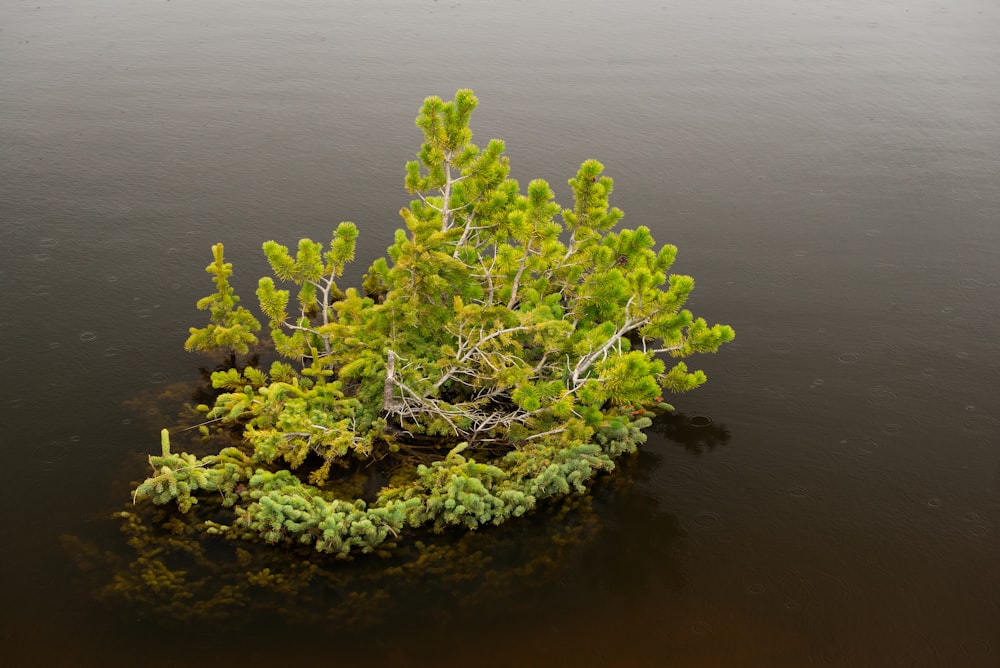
(829, 170)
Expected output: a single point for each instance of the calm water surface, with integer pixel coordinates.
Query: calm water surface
(829, 171)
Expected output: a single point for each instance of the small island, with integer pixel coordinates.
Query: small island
(505, 352)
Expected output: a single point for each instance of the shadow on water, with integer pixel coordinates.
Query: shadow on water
(696, 433)
(610, 547)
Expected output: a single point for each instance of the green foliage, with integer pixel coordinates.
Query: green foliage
(177, 476)
(231, 328)
(504, 351)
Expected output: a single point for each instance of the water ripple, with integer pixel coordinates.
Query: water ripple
(699, 420)
(700, 627)
(780, 345)
(978, 648)
(706, 519)
(979, 424)
(880, 395)
(51, 452)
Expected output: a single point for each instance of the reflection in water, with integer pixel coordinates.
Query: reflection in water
(568, 554)
(584, 547)
(697, 434)
(172, 574)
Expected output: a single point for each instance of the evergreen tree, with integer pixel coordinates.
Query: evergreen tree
(503, 352)
(231, 327)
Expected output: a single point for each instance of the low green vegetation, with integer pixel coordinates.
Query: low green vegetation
(504, 352)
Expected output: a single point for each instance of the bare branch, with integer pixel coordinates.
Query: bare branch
(557, 430)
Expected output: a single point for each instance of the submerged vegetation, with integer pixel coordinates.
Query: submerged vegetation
(505, 352)
(171, 571)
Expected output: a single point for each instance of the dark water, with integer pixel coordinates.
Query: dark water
(829, 170)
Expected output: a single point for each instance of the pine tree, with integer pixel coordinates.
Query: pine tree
(505, 351)
(231, 327)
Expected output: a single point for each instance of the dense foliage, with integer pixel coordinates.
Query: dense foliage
(504, 352)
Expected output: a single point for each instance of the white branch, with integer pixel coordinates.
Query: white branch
(588, 360)
(667, 350)
(428, 204)
(546, 433)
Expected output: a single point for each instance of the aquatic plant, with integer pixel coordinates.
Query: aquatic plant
(504, 352)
